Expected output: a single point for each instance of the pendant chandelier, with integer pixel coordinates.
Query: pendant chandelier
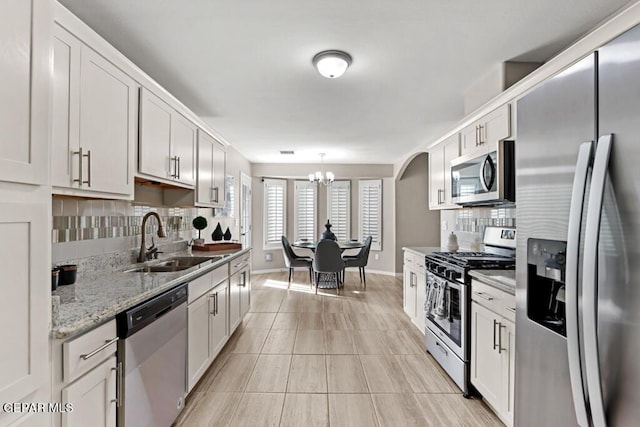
(320, 177)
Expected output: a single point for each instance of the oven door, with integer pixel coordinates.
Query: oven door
(446, 308)
(486, 178)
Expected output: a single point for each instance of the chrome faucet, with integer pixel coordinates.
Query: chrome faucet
(146, 253)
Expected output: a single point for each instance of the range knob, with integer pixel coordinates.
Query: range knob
(441, 269)
(453, 275)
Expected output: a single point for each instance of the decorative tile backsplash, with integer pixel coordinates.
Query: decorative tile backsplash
(468, 224)
(118, 219)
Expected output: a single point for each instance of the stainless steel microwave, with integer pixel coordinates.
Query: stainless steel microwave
(486, 179)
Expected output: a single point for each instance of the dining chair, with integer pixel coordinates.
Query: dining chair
(328, 264)
(292, 260)
(359, 260)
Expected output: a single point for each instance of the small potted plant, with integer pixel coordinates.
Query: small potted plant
(199, 223)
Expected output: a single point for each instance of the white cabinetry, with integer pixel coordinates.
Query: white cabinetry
(414, 286)
(440, 158)
(212, 161)
(167, 144)
(493, 347)
(93, 398)
(239, 290)
(480, 136)
(24, 105)
(85, 378)
(207, 321)
(24, 302)
(94, 125)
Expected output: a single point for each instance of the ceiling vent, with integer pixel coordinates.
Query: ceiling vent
(287, 152)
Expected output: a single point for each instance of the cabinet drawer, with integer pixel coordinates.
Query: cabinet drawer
(238, 264)
(200, 285)
(487, 296)
(509, 307)
(408, 259)
(87, 351)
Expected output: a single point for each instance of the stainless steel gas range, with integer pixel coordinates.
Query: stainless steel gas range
(448, 299)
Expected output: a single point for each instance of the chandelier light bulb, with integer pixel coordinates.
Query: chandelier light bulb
(320, 177)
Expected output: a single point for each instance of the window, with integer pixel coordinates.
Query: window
(275, 203)
(339, 209)
(371, 212)
(304, 210)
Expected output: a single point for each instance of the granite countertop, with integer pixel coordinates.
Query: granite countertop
(422, 250)
(505, 280)
(99, 297)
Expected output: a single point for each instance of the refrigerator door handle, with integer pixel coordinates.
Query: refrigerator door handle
(571, 282)
(590, 279)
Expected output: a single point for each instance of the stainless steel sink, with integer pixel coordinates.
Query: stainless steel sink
(173, 264)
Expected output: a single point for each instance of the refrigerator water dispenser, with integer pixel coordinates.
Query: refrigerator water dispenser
(546, 261)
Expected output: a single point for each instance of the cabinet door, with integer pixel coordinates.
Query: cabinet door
(93, 398)
(219, 174)
(24, 305)
(486, 362)
(245, 291)
(198, 356)
(469, 139)
(23, 152)
(204, 185)
(409, 305)
(496, 126)
(183, 148)
(421, 295)
(234, 302)
(219, 331)
(65, 130)
(155, 136)
(451, 152)
(508, 341)
(436, 176)
(108, 124)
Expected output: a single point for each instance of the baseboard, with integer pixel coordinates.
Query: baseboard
(284, 269)
(270, 270)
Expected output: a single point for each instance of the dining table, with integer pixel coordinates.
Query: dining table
(344, 245)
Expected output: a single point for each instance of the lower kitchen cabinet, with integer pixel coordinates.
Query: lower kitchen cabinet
(493, 348)
(239, 290)
(414, 288)
(93, 398)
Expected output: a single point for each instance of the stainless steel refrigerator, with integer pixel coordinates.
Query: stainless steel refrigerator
(578, 249)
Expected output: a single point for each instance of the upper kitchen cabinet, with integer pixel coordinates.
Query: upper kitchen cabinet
(481, 136)
(167, 145)
(212, 161)
(94, 123)
(24, 104)
(440, 158)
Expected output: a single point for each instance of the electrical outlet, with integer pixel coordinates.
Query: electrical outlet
(268, 257)
(376, 257)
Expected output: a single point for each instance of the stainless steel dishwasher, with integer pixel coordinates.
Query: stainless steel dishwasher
(153, 351)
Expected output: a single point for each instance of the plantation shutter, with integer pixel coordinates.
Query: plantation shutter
(275, 197)
(339, 209)
(370, 192)
(305, 209)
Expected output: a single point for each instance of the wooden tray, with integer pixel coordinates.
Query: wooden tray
(224, 246)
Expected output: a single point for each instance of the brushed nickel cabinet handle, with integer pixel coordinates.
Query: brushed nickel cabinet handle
(500, 348)
(99, 349)
(178, 167)
(88, 156)
(495, 323)
(481, 295)
(481, 139)
(119, 384)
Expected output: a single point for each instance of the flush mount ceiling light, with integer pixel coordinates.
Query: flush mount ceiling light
(320, 177)
(332, 63)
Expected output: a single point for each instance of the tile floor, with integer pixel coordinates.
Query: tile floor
(301, 359)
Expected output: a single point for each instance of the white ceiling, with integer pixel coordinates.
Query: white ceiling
(244, 66)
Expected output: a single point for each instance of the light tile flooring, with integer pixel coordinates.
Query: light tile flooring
(301, 359)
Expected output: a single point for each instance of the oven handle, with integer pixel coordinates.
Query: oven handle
(573, 253)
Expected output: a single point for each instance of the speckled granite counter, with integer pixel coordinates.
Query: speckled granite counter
(99, 297)
(422, 250)
(505, 280)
